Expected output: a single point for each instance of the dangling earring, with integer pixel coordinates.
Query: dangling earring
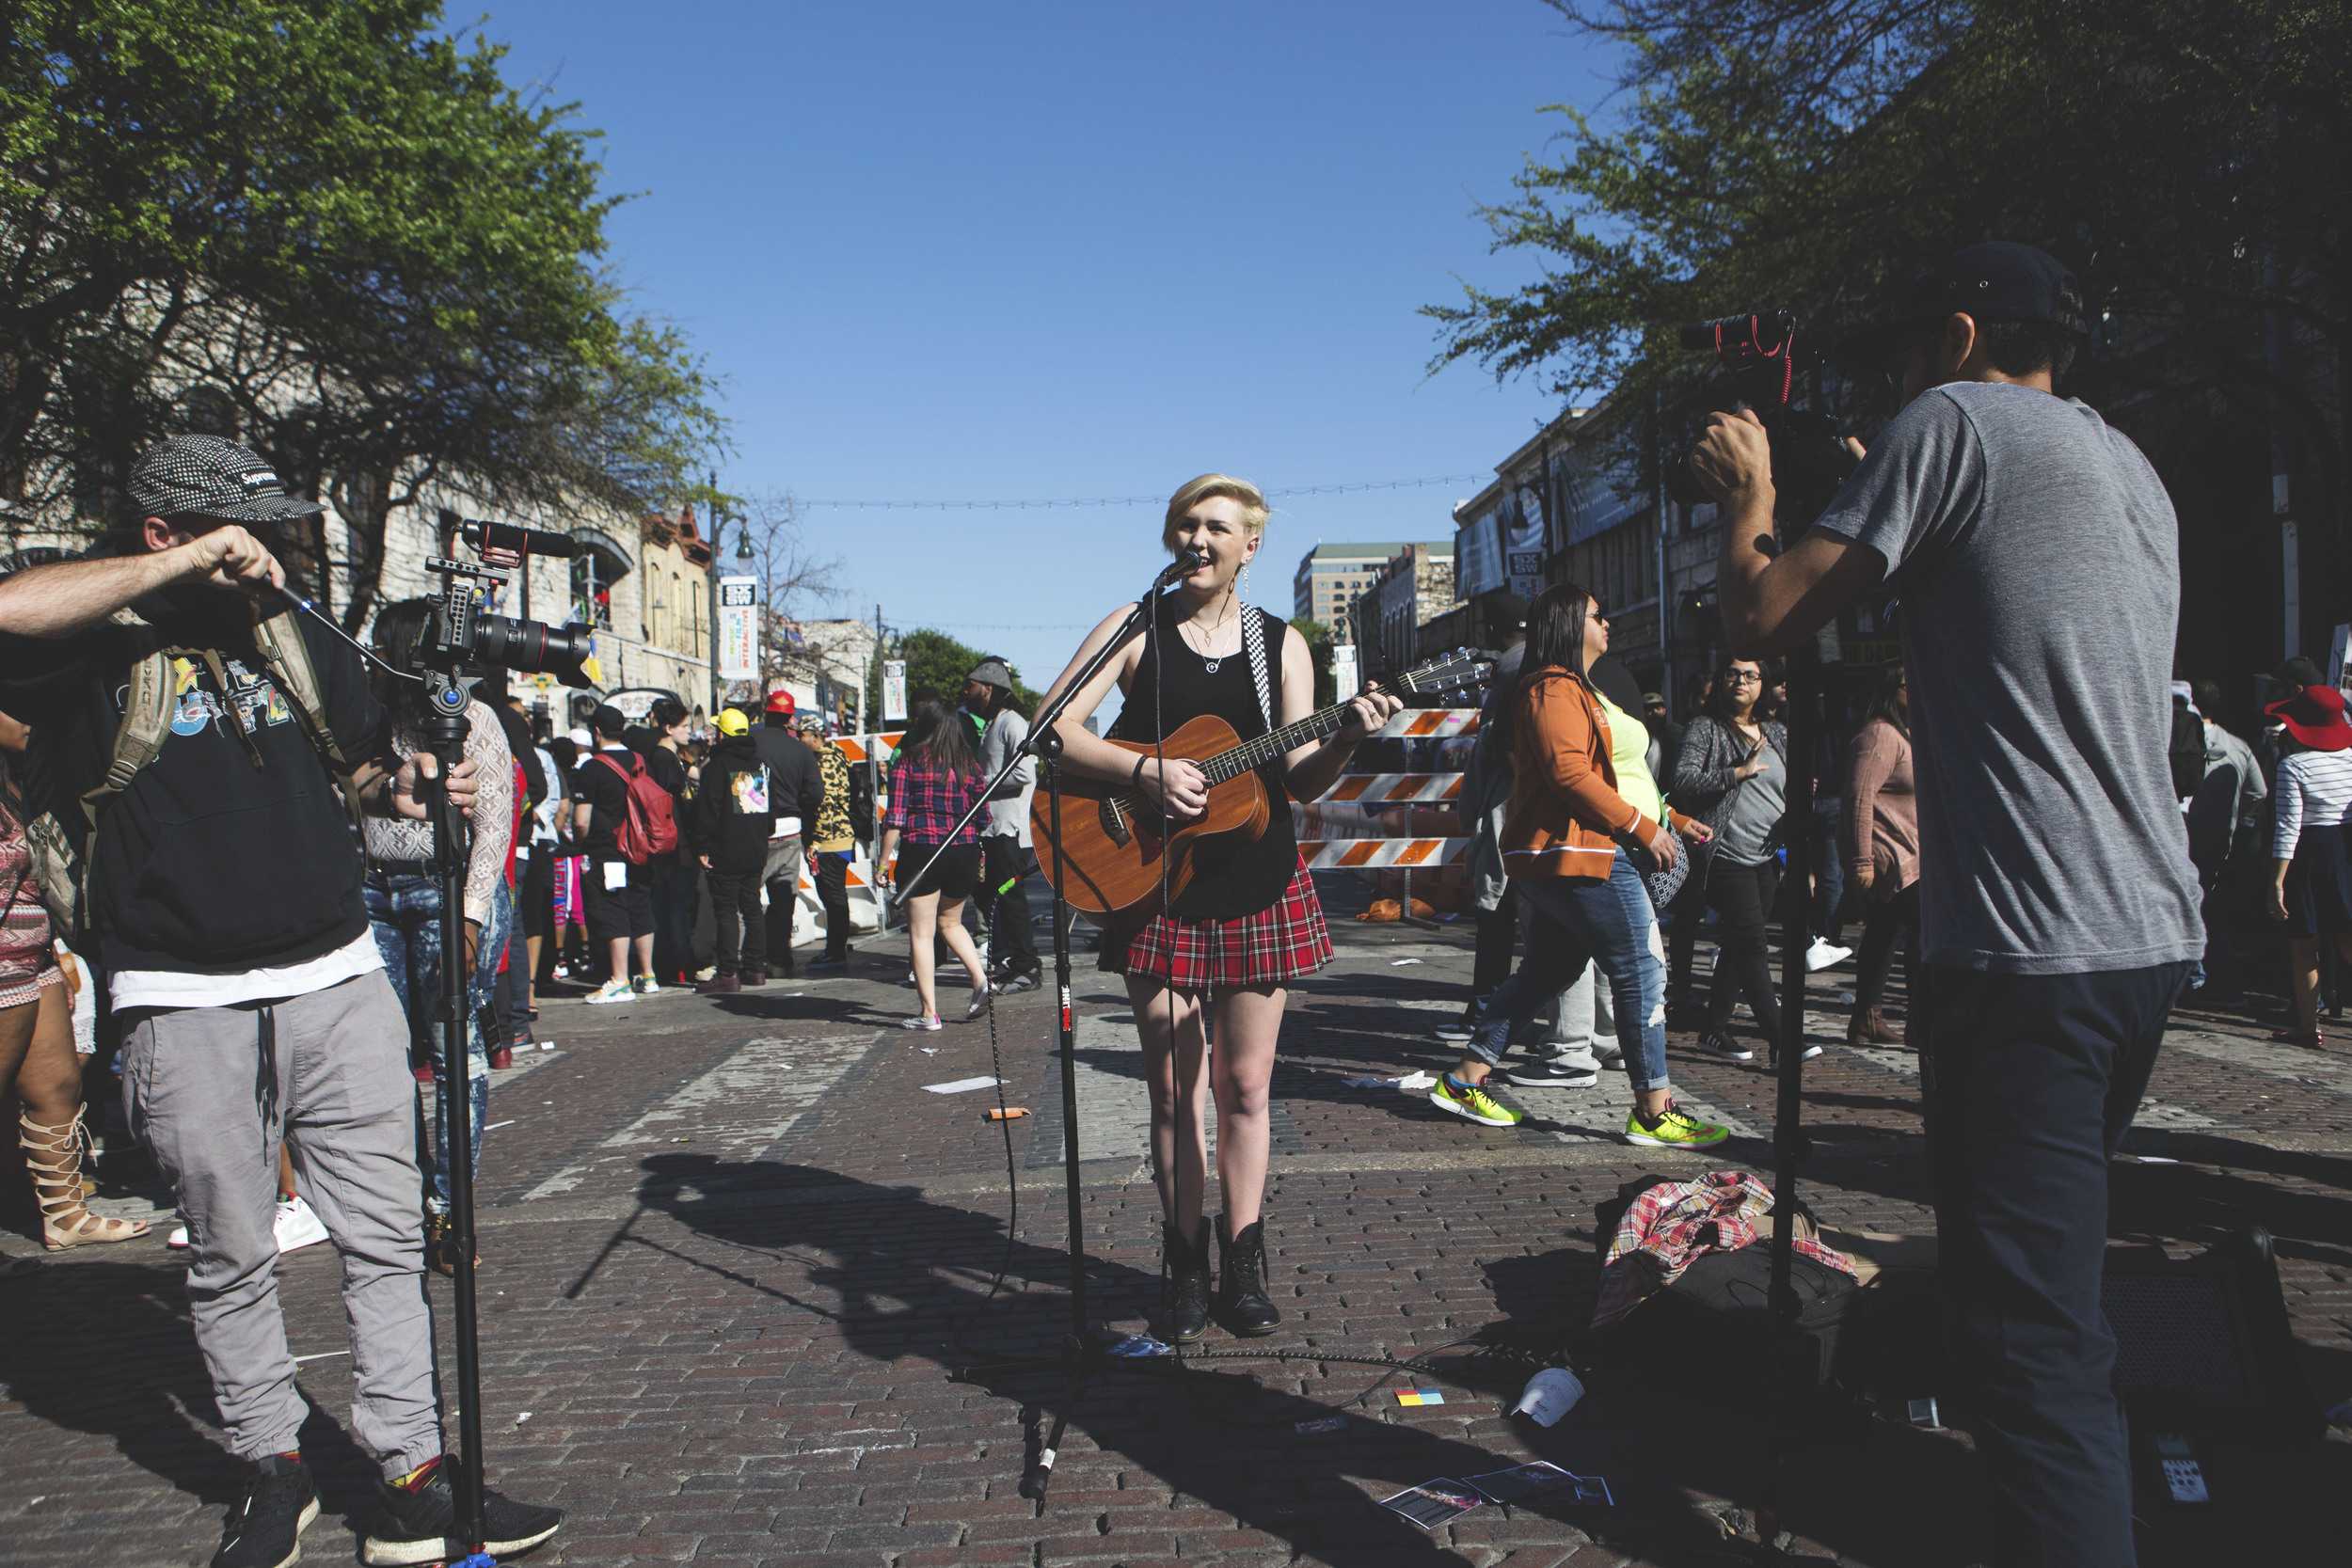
(1241, 588)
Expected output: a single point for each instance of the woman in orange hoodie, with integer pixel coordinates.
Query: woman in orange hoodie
(1585, 821)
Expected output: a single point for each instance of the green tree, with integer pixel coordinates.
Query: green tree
(2189, 161)
(333, 232)
(936, 667)
(1318, 638)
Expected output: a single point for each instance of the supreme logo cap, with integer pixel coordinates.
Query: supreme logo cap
(203, 475)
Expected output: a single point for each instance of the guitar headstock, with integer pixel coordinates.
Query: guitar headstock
(1459, 675)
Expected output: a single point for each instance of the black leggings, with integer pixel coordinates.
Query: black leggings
(1887, 920)
(1743, 897)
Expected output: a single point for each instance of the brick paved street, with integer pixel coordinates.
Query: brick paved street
(734, 1260)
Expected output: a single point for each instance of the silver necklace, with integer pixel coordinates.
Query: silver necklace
(1210, 664)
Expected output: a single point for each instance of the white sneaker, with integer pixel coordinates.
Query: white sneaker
(298, 1225)
(178, 1238)
(1824, 954)
(924, 1021)
(612, 990)
(646, 985)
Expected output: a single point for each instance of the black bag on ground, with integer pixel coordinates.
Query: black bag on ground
(1711, 1331)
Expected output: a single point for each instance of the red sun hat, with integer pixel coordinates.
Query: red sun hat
(780, 701)
(2315, 716)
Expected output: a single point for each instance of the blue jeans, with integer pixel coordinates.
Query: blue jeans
(1574, 921)
(405, 912)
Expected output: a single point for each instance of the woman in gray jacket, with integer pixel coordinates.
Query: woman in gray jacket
(1733, 772)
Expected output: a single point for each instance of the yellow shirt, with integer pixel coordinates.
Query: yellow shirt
(1629, 754)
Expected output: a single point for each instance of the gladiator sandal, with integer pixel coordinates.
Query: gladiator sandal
(53, 1158)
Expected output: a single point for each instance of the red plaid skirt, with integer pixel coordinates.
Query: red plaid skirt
(1277, 944)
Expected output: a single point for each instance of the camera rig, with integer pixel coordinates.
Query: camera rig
(1760, 354)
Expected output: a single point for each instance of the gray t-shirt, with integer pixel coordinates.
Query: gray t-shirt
(2038, 560)
(1752, 810)
(1008, 815)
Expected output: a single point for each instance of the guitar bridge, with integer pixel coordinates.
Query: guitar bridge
(1114, 824)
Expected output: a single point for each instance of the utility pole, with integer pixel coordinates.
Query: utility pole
(1658, 543)
(710, 642)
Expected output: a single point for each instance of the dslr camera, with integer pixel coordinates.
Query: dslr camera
(461, 637)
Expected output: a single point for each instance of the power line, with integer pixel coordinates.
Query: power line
(1351, 488)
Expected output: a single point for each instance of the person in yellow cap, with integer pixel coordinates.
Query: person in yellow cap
(729, 825)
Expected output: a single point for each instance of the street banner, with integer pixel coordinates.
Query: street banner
(894, 690)
(1523, 544)
(738, 628)
(1478, 555)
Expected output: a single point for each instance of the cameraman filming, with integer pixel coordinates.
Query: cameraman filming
(2036, 557)
(207, 738)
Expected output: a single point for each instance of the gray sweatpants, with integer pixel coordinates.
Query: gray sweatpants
(214, 1091)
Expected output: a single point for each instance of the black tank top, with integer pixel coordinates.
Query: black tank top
(1233, 875)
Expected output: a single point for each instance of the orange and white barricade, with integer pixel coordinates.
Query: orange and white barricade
(1396, 824)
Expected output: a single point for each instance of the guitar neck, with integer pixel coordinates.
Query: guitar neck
(1250, 754)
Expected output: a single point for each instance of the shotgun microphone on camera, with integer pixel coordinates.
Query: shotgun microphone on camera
(484, 534)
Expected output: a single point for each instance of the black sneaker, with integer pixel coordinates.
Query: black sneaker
(265, 1529)
(421, 1526)
(1012, 985)
(1714, 1043)
(1552, 1073)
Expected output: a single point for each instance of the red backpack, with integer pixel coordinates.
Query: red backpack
(650, 827)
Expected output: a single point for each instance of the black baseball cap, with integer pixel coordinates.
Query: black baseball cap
(1998, 281)
(608, 720)
(203, 475)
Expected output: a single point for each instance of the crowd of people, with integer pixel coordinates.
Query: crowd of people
(218, 820)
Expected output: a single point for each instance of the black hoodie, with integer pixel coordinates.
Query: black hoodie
(231, 851)
(734, 810)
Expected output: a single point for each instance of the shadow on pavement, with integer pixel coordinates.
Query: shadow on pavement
(906, 1278)
(107, 1347)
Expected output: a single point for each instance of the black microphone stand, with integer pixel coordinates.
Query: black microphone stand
(1081, 1352)
(445, 729)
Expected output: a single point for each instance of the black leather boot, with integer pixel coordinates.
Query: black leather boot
(1187, 1288)
(1242, 1301)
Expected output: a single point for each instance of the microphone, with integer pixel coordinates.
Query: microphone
(485, 535)
(1188, 560)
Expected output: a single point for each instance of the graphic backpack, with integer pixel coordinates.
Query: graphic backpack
(59, 853)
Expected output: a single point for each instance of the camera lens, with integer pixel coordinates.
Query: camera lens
(534, 647)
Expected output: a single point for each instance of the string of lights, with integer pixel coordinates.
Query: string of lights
(1353, 487)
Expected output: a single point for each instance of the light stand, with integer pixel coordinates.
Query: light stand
(445, 729)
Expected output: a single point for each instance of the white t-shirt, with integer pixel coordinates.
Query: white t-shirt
(166, 987)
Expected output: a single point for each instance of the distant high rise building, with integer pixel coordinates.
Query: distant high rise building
(1333, 576)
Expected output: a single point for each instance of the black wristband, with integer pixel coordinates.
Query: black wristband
(1134, 779)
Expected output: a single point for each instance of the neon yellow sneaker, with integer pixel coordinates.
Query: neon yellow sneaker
(1477, 1101)
(1674, 1129)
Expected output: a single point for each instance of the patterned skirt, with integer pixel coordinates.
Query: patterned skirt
(1277, 944)
(26, 960)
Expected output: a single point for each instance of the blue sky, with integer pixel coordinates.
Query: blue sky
(1037, 251)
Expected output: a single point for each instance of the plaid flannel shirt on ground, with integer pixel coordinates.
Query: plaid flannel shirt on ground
(1673, 1225)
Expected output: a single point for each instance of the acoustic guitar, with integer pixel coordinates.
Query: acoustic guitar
(1114, 840)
